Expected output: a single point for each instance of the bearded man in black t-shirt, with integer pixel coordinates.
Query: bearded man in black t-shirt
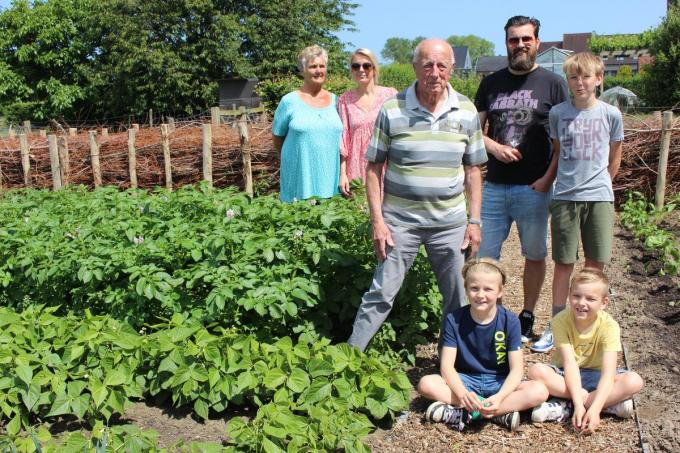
(515, 101)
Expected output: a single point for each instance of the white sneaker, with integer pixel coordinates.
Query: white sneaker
(545, 343)
(623, 409)
(553, 410)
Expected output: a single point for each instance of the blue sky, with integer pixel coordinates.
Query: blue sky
(378, 20)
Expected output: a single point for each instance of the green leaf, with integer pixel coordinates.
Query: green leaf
(271, 447)
(274, 378)
(298, 380)
(275, 431)
(99, 393)
(319, 390)
(31, 396)
(377, 409)
(395, 400)
(25, 373)
(269, 255)
(80, 404)
(117, 401)
(201, 408)
(326, 220)
(60, 406)
(14, 426)
(117, 376)
(319, 367)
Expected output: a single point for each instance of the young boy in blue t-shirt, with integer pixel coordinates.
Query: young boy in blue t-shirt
(587, 137)
(481, 359)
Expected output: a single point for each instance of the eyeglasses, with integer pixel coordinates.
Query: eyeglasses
(525, 40)
(366, 66)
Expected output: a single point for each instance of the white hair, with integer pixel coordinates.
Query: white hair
(310, 53)
(418, 49)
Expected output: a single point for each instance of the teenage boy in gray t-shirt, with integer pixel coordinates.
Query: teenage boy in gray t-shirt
(587, 136)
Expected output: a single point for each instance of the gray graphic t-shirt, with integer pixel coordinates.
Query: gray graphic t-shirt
(584, 137)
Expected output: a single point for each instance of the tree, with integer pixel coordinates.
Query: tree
(624, 72)
(400, 50)
(478, 47)
(44, 57)
(661, 77)
(86, 58)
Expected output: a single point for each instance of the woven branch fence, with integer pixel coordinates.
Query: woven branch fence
(639, 167)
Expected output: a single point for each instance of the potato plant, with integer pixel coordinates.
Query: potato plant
(268, 268)
(92, 366)
(50, 366)
(643, 219)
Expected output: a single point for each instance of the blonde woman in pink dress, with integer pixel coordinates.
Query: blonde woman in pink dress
(358, 109)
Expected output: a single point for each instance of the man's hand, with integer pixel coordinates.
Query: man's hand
(343, 185)
(472, 238)
(541, 184)
(507, 154)
(381, 239)
(490, 406)
(470, 401)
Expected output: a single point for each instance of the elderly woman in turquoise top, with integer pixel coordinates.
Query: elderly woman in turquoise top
(306, 131)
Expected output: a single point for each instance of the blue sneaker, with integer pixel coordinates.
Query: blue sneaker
(455, 417)
(545, 343)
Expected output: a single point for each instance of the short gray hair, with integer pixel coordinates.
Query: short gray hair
(309, 53)
(418, 49)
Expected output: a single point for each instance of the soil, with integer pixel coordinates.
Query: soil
(646, 305)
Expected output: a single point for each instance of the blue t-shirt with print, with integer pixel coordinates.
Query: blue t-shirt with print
(482, 348)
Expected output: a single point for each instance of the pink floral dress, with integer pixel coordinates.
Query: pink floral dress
(358, 128)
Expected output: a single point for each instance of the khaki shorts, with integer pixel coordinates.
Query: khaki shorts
(592, 221)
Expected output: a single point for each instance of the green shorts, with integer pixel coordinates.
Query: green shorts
(592, 221)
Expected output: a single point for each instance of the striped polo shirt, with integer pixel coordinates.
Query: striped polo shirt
(425, 154)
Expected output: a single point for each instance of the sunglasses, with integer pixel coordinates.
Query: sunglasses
(525, 40)
(366, 66)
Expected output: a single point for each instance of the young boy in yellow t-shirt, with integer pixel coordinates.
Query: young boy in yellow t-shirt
(584, 365)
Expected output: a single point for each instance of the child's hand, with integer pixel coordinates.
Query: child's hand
(490, 406)
(590, 422)
(579, 414)
(470, 401)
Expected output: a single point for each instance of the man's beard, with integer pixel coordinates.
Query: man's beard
(522, 64)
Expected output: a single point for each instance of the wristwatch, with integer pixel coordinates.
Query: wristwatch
(473, 221)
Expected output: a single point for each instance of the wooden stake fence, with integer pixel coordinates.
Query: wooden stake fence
(245, 152)
(54, 161)
(132, 155)
(94, 156)
(666, 127)
(65, 161)
(25, 160)
(207, 153)
(165, 143)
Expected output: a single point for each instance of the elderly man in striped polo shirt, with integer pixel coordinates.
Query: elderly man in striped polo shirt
(432, 141)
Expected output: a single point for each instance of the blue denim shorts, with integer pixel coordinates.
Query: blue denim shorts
(503, 204)
(589, 376)
(482, 384)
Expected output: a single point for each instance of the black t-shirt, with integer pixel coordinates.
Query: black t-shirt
(517, 109)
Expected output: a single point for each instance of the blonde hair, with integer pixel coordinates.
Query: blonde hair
(583, 63)
(488, 265)
(309, 53)
(591, 275)
(363, 51)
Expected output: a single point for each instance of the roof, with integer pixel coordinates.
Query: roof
(576, 42)
(491, 64)
(461, 56)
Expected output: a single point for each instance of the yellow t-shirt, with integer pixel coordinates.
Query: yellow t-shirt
(603, 336)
